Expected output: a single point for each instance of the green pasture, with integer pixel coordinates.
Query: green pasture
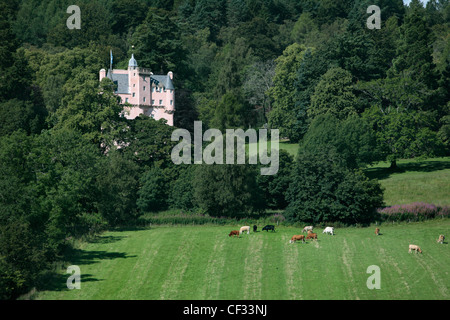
(202, 262)
(425, 180)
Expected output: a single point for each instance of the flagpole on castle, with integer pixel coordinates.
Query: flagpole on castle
(110, 53)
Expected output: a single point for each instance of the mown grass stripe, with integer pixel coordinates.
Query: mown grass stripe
(252, 268)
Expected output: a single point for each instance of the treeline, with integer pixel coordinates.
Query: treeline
(71, 165)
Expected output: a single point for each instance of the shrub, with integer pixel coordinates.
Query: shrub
(173, 217)
(417, 211)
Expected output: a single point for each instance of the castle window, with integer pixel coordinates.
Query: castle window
(134, 94)
(160, 101)
(144, 88)
(171, 102)
(144, 99)
(153, 102)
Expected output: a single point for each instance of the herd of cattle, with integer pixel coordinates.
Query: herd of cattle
(313, 236)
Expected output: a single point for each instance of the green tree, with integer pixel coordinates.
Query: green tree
(118, 183)
(404, 134)
(148, 142)
(324, 190)
(153, 191)
(282, 115)
(237, 12)
(334, 95)
(274, 187)
(258, 81)
(304, 27)
(228, 68)
(259, 36)
(227, 190)
(95, 27)
(8, 41)
(157, 44)
(127, 14)
(209, 14)
(414, 51)
(352, 138)
(92, 109)
(182, 193)
(232, 112)
(47, 186)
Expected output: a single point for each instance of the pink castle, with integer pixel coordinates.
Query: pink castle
(146, 93)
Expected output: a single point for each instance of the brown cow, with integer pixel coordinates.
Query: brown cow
(415, 248)
(297, 238)
(234, 233)
(377, 231)
(311, 236)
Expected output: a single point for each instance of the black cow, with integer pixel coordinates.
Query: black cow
(269, 227)
(255, 228)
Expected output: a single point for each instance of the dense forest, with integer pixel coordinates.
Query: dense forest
(347, 94)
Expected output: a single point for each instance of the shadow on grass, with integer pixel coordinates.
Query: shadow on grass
(381, 173)
(52, 281)
(57, 280)
(86, 257)
(106, 239)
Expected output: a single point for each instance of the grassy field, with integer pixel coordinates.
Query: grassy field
(416, 181)
(202, 262)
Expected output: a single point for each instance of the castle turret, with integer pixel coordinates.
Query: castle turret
(102, 74)
(132, 63)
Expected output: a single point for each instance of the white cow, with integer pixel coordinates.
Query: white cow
(307, 228)
(245, 228)
(329, 230)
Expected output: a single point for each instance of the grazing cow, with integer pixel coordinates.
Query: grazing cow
(245, 228)
(269, 227)
(297, 238)
(307, 228)
(377, 231)
(441, 239)
(329, 230)
(234, 233)
(311, 236)
(414, 247)
(255, 228)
